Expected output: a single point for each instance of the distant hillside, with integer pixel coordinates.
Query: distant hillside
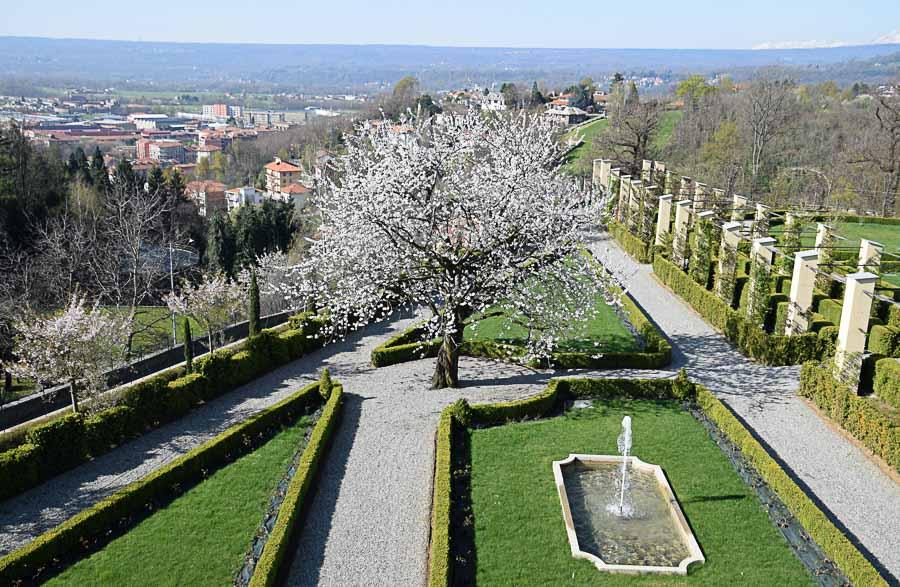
(353, 67)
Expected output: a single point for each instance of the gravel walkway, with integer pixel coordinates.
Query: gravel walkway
(860, 498)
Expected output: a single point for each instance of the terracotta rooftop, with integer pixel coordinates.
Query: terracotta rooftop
(282, 167)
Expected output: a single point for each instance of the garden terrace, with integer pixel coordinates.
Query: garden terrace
(497, 518)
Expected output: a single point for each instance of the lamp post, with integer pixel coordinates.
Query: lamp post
(172, 288)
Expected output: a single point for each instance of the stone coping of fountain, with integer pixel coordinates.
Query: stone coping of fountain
(696, 555)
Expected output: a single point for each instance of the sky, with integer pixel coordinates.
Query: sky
(716, 24)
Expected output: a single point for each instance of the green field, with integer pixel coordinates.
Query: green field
(520, 537)
(201, 537)
(604, 332)
(886, 234)
(667, 123)
(154, 328)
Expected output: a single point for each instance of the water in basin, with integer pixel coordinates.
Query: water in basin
(648, 537)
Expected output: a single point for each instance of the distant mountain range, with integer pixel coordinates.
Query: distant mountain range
(188, 66)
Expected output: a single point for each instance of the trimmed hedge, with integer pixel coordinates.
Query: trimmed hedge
(657, 352)
(65, 442)
(857, 415)
(832, 541)
(835, 544)
(887, 381)
(632, 244)
(271, 561)
(884, 340)
(105, 516)
(769, 349)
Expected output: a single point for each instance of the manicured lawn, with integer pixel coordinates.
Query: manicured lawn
(20, 388)
(885, 234)
(520, 537)
(587, 133)
(604, 332)
(667, 123)
(201, 537)
(154, 330)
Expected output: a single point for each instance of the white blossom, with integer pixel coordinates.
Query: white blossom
(461, 217)
(215, 302)
(76, 346)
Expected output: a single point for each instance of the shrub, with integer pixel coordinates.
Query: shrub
(325, 384)
(857, 415)
(65, 442)
(832, 541)
(884, 340)
(632, 244)
(271, 560)
(100, 519)
(887, 381)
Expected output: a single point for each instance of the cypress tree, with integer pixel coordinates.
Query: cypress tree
(253, 310)
(187, 340)
(325, 384)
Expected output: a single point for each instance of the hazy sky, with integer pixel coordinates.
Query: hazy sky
(523, 23)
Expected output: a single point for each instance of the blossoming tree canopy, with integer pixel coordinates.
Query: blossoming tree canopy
(76, 346)
(462, 215)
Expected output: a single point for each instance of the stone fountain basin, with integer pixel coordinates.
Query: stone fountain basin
(668, 517)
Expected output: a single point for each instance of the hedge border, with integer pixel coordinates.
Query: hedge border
(656, 354)
(833, 542)
(768, 349)
(887, 381)
(632, 244)
(270, 565)
(63, 443)
(101, 518)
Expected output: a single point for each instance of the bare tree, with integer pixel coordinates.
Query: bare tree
(881, 149)
(629, 137)
(766, 114)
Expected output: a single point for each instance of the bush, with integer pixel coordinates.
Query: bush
(101, 519)
(831, 310)
(440, 567)
(406, 346)
(769, 349)
(885, 340)
(325, 384)
(632, 244)
(66, 442)
(887, 381)
(857, 415)
(832, 541)
(271, 560)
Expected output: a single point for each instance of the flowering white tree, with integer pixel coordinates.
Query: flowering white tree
(215, 302)
(273, 276)
(76, 346)
(465, 215)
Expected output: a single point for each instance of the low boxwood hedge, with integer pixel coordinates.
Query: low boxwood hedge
(887, 381)
(63, 443)
(835, 544)
(859, 416)
(884, 340)
(271, 564)
(769, 349)
(106, 516)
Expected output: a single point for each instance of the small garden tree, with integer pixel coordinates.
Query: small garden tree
(76, 346)
(464, 216)
(253, 305)
(215, 302)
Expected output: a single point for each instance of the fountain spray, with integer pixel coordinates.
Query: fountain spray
(624, 445)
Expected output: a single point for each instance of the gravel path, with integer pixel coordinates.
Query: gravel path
(859, 497)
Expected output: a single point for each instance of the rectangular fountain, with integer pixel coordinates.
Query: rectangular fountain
(643, 531)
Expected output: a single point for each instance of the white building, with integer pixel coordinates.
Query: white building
(245, 196)
(493, 101)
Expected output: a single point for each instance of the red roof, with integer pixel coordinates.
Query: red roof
(282, 167)
(294, 188)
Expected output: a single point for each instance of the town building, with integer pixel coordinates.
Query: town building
(208, 196)
(279, 174)
(243, 196)
(494, 101)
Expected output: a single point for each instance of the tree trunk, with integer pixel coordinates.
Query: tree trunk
(73, 392)
(446, 370)
(7, 383)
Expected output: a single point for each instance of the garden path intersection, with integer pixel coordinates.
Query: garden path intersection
(369, 521)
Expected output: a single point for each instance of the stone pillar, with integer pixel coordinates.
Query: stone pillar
(634, 205)
(702, 251)
(761, 221)
(824, 242)
(659, 175)
(851, 340)
(649, 199)
(624, 194)
(663, 219)
(760, 285)
(597, 175)
(700, 203)
(647, 171)
(802, 284)
(673, 183)
(718, 196)
(870, 256)
(680, 234)
(739, 205)
(686, 191)
(725, 275)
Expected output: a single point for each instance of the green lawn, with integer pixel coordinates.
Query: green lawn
(520, 537)
(201, 537)
(667, 123)
(604, 332)
(154, 330)
(885, 234)
(20, 388)
(587, 134)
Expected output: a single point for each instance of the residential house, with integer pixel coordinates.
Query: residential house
(279, 174)
(208, 196)
(244, 196)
